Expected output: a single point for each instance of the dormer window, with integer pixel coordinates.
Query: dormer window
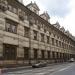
(45, 16)
(21, 14)
(33, 7)
(35, 11)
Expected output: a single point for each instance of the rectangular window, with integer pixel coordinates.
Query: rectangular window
(48, 39)
(35, 54)
(26, 32)
(42, 37)
(48, 52)
(11, 26)
(36, 22)
(42, 54)
(26, 53)
(35, 35)
(53, 54)
(56, 42)
(15, 11)
(10, 8)
(52, 41)
(60, 43)
(57, 54)
(9, 52)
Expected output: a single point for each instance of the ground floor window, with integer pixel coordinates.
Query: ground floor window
(35, 54)
(60, 55)
(26, 53)
(9, 52)
(53, 55)
(42, 54)
(57, 54)
(48, 52)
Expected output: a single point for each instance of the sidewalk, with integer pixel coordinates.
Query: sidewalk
(4, 70)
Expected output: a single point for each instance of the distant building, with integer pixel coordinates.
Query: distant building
(28, 37)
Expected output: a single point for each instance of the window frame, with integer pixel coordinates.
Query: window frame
(11, 23)
(26, 32)
(35, 34)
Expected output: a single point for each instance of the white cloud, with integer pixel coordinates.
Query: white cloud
(68, 21)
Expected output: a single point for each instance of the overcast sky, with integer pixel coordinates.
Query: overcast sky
(62, 11)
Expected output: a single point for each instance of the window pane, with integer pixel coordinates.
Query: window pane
(35, 35)
(42, 37)
(26, 32)
(11, 26)
(8, 27)
(26, 53)
(9, 52)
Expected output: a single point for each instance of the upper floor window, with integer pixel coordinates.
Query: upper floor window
(56, 42)
(52, 41)
(12, 9)
(11, 26)
(35, 11)
(36, 22)
(26, 32)
(35, 35)
(60, 43)
(48, 39)
(15, 10)
(42, 37)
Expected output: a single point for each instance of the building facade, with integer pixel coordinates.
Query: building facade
(27, 37)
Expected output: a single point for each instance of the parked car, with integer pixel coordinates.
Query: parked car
(71, 60)
(40, 64)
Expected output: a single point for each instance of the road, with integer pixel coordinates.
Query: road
(59, 69)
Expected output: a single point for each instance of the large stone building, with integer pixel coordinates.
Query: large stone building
(27, 37)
